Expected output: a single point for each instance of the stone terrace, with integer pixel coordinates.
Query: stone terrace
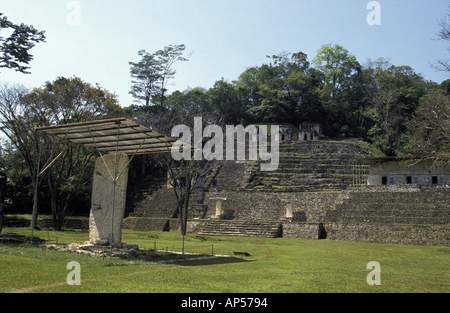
(312, 166)
(392, 214)
(142, 189)
(310, 177)
(241, 228)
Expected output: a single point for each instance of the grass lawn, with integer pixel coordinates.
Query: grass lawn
(275, 265)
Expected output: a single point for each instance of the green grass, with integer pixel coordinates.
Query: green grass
(40, 217)
(275, 265)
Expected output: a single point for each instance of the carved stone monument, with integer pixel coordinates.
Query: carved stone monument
(107, 210)
(219, 211)
(289, 214)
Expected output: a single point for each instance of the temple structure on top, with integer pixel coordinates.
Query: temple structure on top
(309, 131)
(393, 171)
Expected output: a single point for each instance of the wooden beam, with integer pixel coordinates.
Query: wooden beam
(81, 124)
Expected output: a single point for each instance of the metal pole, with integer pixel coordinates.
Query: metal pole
(114, 190)
(34, 215)
(183, 245)
(132, 157)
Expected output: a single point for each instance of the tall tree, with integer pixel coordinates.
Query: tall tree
(19, 129)
(338, 66)
(59, 102)
(152, 74)
(167, 57)
(281, 91)
(444, 34)
(395, 96)
(429, 129)
(228, 99)
(14, 50)
(195, 99)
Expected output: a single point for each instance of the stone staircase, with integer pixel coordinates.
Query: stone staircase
(253, 195)
(241, 228)
(161, 204)
(312, 166)
(417, 217)
(139, 189)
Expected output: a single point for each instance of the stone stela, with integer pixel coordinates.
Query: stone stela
(219, 211)
(289, 213)
(107, 211)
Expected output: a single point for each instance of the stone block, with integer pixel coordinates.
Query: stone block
(130, 246)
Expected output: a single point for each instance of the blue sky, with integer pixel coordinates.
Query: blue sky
(225, 37)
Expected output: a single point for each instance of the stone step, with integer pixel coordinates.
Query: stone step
(293, 189)
(338, 162)
(343, 235)
(241, 228)
(398, 234)
(393, 211)
(390, 227)
(411, 216)
(399, 197)
(444, 206)
(390, 220)
(140, 189)
(284, 169)
(395, 241)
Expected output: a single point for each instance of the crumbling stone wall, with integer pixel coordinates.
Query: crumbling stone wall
(160, 224)
(146, 224)
(401, 214)
(303, 230)
(162, 204)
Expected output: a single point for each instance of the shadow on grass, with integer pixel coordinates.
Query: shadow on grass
(19, 239)
(213, 261)
(15, 221)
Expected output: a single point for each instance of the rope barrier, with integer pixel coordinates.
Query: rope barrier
(166, 247)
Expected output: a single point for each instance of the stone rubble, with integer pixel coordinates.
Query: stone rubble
(121, 250)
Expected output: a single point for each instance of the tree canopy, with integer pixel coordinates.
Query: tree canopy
(14, 50)
(65, 100)
(373, 101)
(153, 72)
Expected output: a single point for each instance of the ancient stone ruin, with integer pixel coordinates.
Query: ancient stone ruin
(318, 191)
(108, 199)
(308, 181)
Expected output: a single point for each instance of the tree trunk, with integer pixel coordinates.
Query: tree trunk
(2, 200)
(35, 204)
(180, 213)
(1, 216)
(53, 205)
(186, 205)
